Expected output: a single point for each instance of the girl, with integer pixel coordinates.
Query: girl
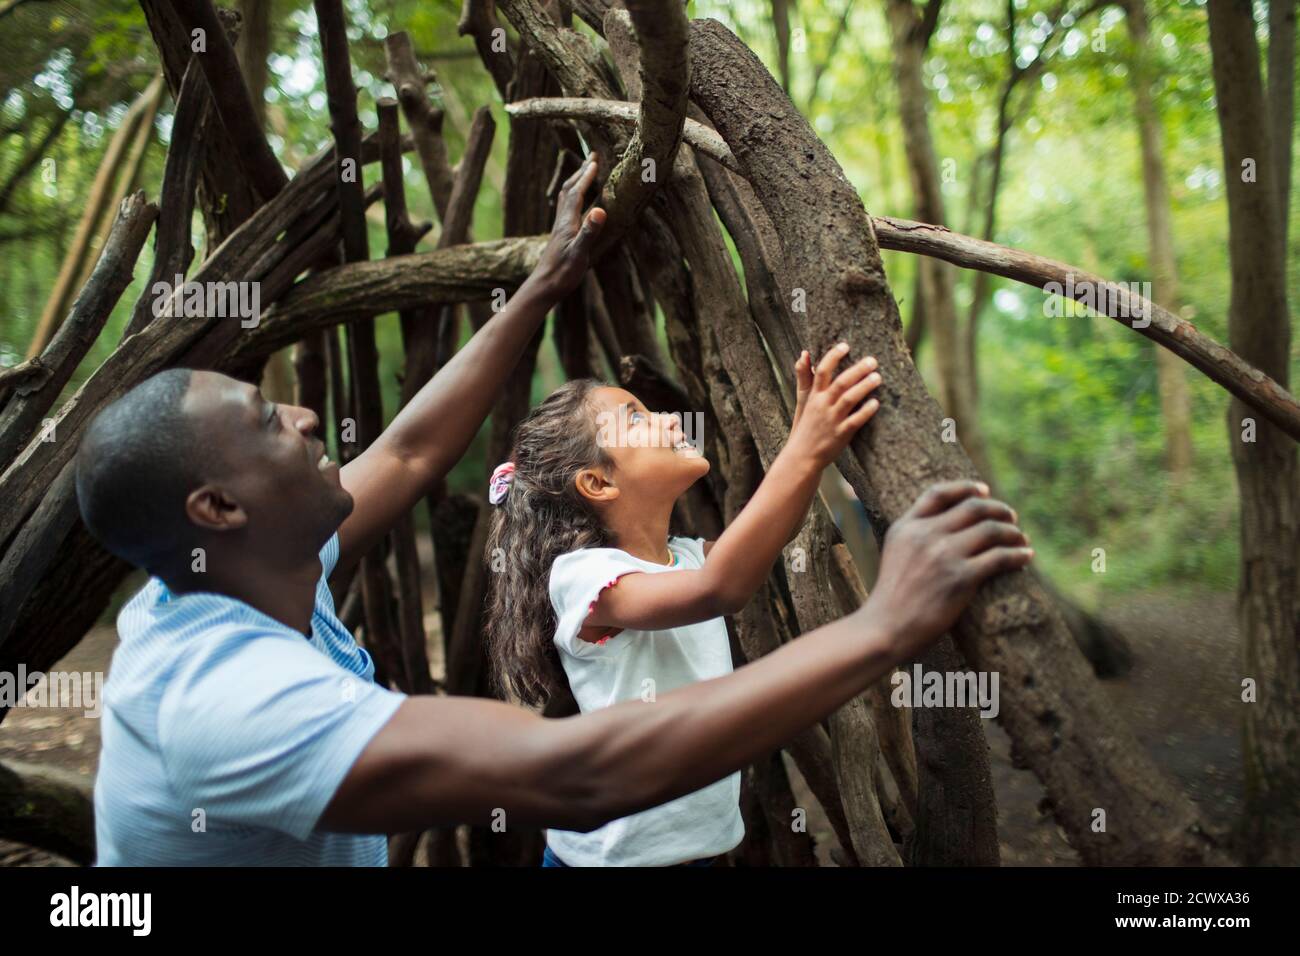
(593, 589)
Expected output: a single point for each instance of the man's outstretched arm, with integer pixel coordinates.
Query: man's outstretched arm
(432, 432)
(441, 761)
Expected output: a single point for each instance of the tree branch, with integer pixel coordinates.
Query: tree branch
(926, 23)
(1221, 364)
(478, 19)
(664, 81)
(423, 117)
(456, 274)
(172, 248)
(232, 100)
(618, 113)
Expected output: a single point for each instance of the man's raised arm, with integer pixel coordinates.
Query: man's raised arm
(431, 433)
(447, 760)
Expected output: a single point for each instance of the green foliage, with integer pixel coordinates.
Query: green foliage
(1072, 416)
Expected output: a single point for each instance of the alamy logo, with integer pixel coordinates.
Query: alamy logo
(134, 910)
(209, 300)
(923, 688)
(1121, 300)
(55, 689)
(613, 431)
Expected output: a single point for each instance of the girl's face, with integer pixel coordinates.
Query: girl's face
(651, 454)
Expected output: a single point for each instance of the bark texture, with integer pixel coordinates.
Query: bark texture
(1259, 329)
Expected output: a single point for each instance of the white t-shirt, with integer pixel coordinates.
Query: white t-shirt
(640, 666)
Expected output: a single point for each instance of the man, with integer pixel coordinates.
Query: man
(242, 724)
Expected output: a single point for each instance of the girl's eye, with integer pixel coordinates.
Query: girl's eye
(637, 416)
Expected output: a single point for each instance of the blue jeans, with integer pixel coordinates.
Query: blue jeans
(550, 859)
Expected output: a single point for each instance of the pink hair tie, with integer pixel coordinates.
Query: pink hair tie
(499, 483)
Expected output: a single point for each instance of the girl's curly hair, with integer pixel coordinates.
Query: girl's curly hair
(541, 517)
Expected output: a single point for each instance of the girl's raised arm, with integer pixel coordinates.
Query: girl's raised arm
(735, 566)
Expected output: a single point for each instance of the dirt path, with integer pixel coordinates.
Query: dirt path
(1183, 700)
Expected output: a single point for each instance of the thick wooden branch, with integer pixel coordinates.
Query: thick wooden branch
(403, 234)
(618, 113)
(1118, 301)
(232, 99)
(661, 32)
(457, 274)
(423, 117)
(478, 18)
(342, 98)
(437, 344)
(226, 196)
(763, 263)
(173, 250)
(469, 177)
(569, 56)
(402, 237)
(363, 353)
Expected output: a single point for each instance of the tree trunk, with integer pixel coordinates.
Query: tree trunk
(955, 376)
(1259, 330)
(1281, 100)
(1175, 396)
(1087, 758)
(957, 818)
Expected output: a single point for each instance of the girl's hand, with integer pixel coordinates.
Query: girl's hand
(834, 406)
(803, 378)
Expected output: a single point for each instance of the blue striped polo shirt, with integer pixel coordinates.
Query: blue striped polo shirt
(226, 733)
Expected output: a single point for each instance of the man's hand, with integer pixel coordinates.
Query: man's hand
(431, 433)
(934, 558)
(567, 256)
(831, 409)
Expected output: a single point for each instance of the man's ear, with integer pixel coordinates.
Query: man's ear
(210, 507)
(594, 485)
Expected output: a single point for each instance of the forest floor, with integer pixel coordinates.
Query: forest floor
(1181, 699)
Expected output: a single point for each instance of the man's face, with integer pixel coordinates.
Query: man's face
(271, 461)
